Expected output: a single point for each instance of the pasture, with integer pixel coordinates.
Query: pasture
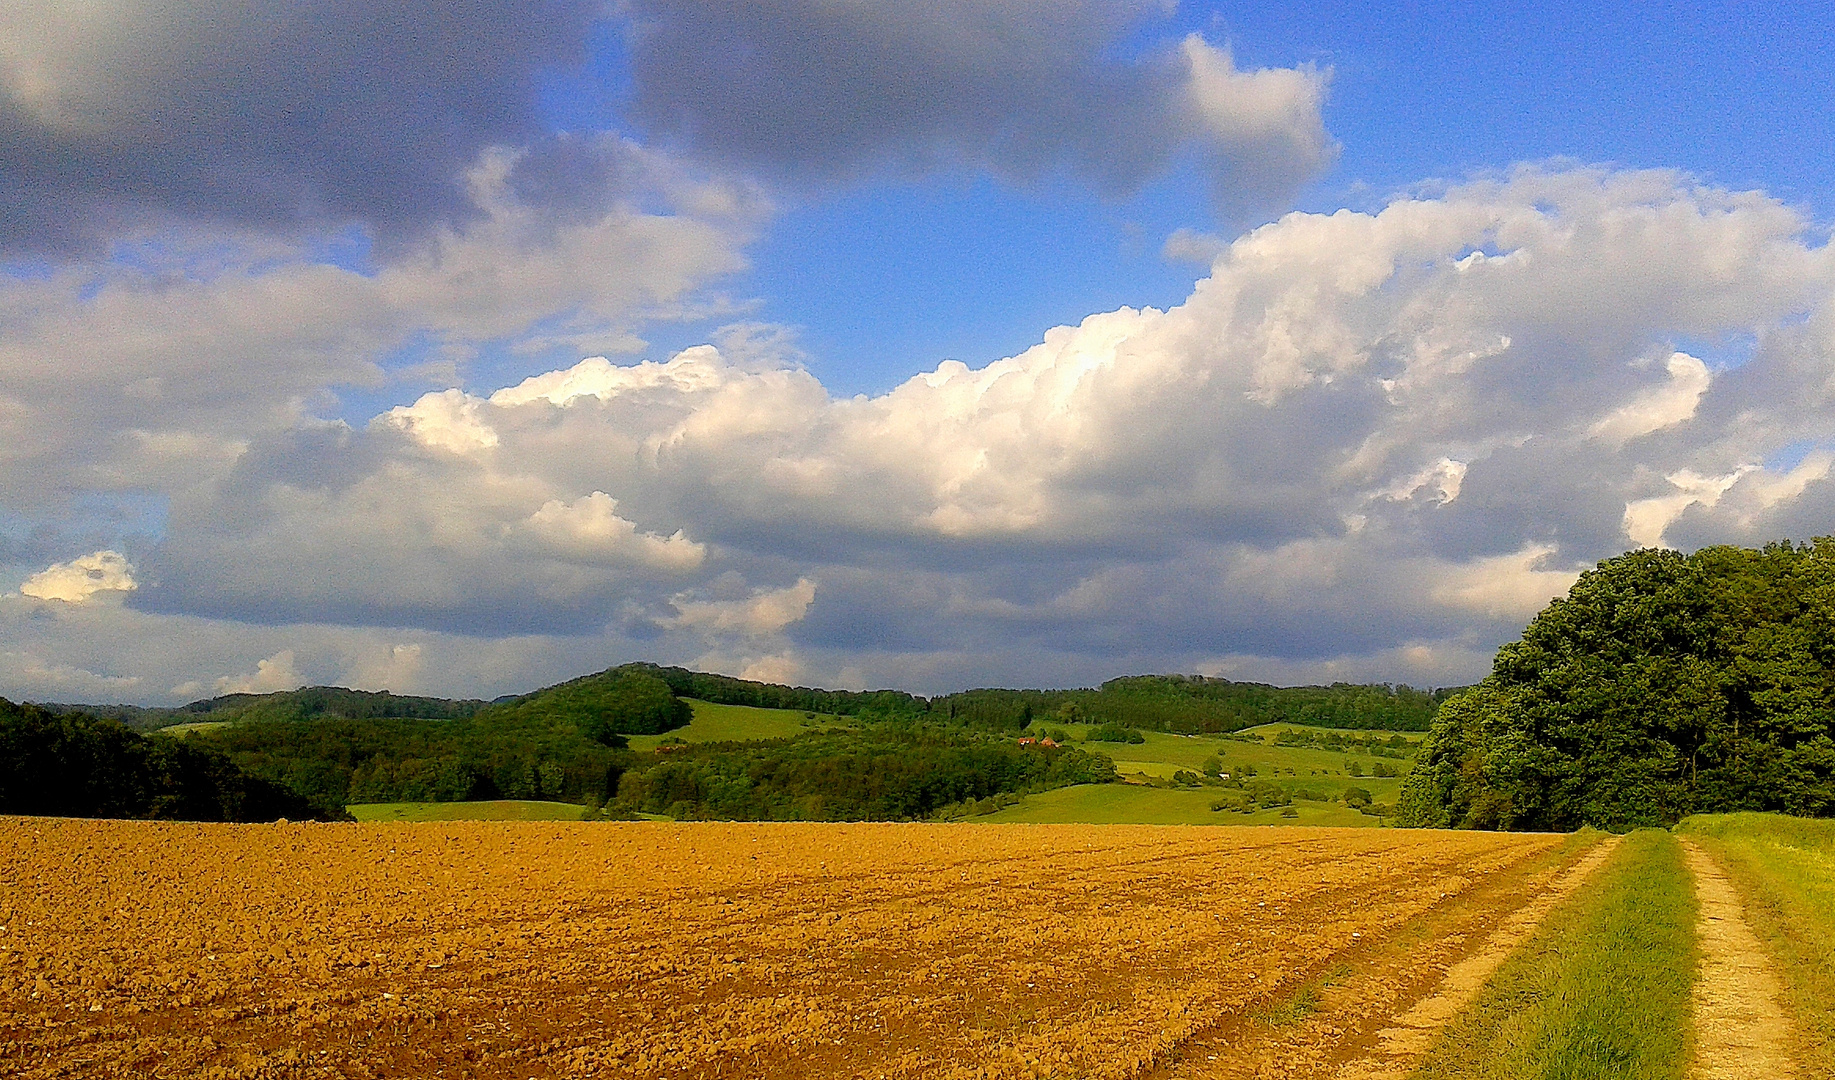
(739, 723)
(1316, 779)
(493, 810)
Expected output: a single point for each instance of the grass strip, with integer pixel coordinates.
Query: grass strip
(1603, 989)
(1784, 868)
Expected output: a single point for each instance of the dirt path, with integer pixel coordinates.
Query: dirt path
(1740, 1031)
(1374, 1016)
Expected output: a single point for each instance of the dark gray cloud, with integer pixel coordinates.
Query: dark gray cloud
(268, 115)
(278, 117)
(811, 88)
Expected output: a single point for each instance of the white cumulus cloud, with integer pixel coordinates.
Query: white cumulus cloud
(82, 578)
(270, 675)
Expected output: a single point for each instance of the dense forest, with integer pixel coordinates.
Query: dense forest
(1193, 704)
(885, 771)
(1661, 685)
(72, 765)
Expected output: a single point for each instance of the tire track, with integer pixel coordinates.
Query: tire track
(1401, 1046)
(1740, 1029)
(1371, 1012)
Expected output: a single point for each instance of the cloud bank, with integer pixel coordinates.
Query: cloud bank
(1367, 445)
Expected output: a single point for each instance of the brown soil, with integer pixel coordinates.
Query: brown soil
(656, 950)
(1375, 1014)
(1740, 1029)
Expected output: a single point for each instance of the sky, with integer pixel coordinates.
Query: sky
(460, 348)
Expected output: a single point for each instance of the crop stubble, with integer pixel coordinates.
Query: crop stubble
(711, 949)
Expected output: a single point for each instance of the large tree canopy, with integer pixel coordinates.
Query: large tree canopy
(1661, 685)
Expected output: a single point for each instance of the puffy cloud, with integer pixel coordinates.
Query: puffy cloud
(1646, 520)
(776, 669)
(82, 579)
(1365, 439)
(112, 652)
(589, 528)
(1507, 587)
(808, 87)
(765, 612)
(1440, 482)
(270, 675)
(51, 681)
(1659, 407)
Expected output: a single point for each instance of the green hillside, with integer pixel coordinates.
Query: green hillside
(643, 739)
(1277, 774)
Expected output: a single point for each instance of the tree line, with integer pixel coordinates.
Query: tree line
(885, 771)
(1194, 704)
(75, 765)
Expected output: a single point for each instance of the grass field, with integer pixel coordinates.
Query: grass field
(1132, 804)
(498, 810)
(1785, 870)
(1325, 775)
(1602, 990)
(740, 723)
(186, 729)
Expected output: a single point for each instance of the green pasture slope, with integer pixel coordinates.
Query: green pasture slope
(740, 723)
(499, 810)
(1316, 778)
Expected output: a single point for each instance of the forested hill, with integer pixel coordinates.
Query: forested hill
(1661, 685)
(307, 703)
(1176, 703)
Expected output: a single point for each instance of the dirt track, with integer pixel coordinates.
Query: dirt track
(624, 950)
(1741, 1029)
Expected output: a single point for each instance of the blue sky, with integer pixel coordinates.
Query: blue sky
(454, 348)
(884, 280)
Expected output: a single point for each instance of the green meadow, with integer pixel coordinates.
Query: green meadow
(740, 723)
(1134, 804)
(1316, 778)
(496, 810)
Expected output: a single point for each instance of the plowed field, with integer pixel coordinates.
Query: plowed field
(645, 950)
